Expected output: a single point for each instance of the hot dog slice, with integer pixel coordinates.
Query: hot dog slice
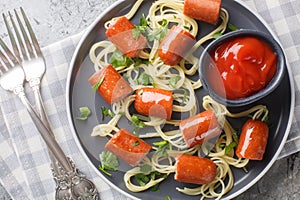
(112, 86)
(201, 127)
(154, 102)
(120, 34)
(204, 10)
(253, 140)
(175, 45)
(128, 147)
(194, 169)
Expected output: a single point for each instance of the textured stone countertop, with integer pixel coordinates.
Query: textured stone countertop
(54, 20)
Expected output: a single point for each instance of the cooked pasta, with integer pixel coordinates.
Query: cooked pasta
(184, 98)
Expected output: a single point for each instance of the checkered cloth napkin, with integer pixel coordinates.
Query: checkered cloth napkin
(24, 162)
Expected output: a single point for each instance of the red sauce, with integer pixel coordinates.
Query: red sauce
(245, 66)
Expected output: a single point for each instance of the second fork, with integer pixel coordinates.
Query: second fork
(29, 56)
(70, 182)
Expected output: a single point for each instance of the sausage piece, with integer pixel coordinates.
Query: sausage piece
(253, 140)
(112, 87)
(194, 169)
(198, 128)
(120, 34)
(175, 45)
(128, 147)
(204, 10)
(154, 102)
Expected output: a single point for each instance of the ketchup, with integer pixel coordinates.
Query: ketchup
(244, 65)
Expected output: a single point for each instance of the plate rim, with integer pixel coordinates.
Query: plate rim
(83, 153)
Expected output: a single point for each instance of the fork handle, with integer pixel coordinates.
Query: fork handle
(40, 106)
(46, 133)
(44, 118)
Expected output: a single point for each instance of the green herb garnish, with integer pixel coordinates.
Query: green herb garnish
(97, 85)
(159, 33)
(137, 124)
(84, 113)
(185, 96)
(229, 147)
(136, 33)
(106, 112)
(117, 59)
(167, 197)
(162, 147)
(235, 136)
(173, 81)
(141, 28)
(136, 143)
(145, 79)
(217, 35)
(108, 162)
(187, 28)
(143, 179)
(232, 27)
(146, 168)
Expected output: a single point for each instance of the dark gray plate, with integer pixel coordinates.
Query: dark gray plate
(79, 93)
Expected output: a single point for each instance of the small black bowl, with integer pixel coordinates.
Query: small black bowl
(205, 61)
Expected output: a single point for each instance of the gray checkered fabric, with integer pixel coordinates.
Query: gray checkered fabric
(24, 162)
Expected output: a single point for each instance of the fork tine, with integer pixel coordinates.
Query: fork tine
(31, 33)
(25, 36)
(17, 33)
(8, 52)
(1, 68)
(5, 60)
(12, 38)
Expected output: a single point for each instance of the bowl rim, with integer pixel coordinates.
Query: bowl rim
(270, 87)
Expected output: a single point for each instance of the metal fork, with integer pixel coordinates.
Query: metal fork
(70, 182)
(30, 57)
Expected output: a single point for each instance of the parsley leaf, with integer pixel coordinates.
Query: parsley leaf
(187, 28)
(143, 20)
(185, 96)
(108, 162)
(146, 168)
(84, 113)
(106, 112)
(173, 81)
(229, 147)
(136, 143)
(97, 85)
(167, 197)
(137, 124)
(142, 179)
(145, 79)
(235, 136)
(159, 33)
(141, 28)
(162, 147)
(136, 33)
(217, 35)
(117, 59)
(232, 27)
(138, 62)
